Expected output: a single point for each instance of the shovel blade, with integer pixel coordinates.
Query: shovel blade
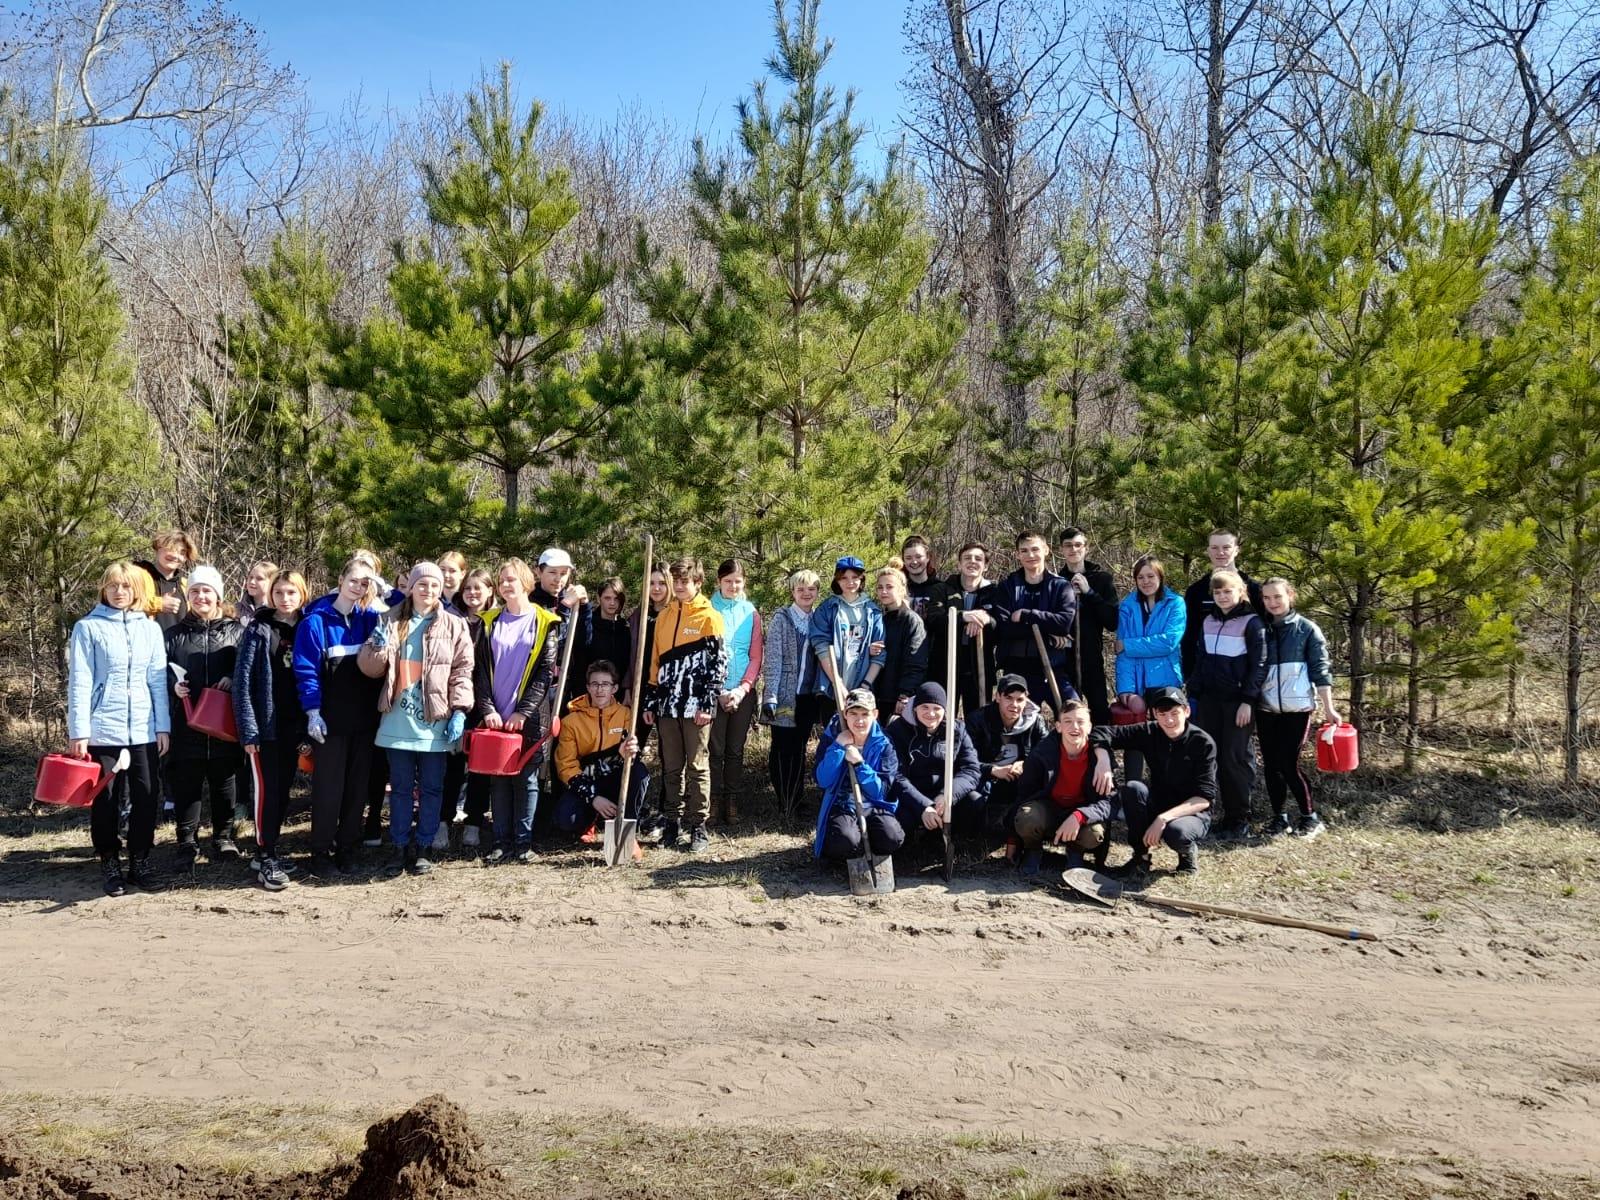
(870, 875)
(949, 855)
(1091, 885)
(621, 841)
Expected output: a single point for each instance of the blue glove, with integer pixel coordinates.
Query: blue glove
(316, 727)
(380, 635)
(457, 726)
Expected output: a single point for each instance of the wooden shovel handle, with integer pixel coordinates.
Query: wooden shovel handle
(1245, 914)
(1049, 674)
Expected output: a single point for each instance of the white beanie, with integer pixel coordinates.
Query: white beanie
(205, 575)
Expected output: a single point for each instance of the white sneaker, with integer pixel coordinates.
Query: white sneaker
(441, 840)
(469, 836)
(372, 842)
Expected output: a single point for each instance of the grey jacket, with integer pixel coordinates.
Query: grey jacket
(1297, 664)
(785, 658)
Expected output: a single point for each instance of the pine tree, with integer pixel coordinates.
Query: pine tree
(1391, 516)
(282, 353)
(807, 381)
(490, 373)
(77, 447)
(1558, 340)
(1210, 384)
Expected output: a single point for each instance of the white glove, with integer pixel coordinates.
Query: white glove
(316, 727)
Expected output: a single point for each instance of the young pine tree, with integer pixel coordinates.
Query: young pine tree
(1389, 516)
(77, 446)
(808, 376)
(490, 377)
(1559, 422)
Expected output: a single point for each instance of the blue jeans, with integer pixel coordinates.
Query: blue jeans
(423, 772)
(514, 800)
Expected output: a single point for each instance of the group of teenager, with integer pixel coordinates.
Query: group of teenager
(381, 685)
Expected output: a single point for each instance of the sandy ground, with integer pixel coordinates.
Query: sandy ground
(746, 987)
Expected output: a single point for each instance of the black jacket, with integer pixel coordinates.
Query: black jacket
(934, 618)
(1039, 776)
(1051, 606)
(905, 658)
(167, 587)
(999, 746)
(1097, 616)
(1181, 768)
(919, 783)
(208, 652)
(266, 702)
(1198, 605)
(599, 638)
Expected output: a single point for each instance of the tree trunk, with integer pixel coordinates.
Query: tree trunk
(1216, 79)
(513, 490)
(1511, 694)
(1575, 590)
(1359, 617)
(1414, 689)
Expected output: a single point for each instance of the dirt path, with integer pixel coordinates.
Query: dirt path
(751, 1000)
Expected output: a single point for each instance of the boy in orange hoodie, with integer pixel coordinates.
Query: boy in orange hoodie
(594, 741)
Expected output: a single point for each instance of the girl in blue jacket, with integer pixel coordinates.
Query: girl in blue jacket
(854, 739)
(853, 625)
(117, 715)
(1150, 624)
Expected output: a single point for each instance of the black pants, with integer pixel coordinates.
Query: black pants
(1139, 812)
(786, 764)
(191, 779)
(455, 776)
(1282, 737)
(1236, 762)
(339, 790)
(377, 784)
(142, 780)
(271, 773)
(575, 809)
(842, 838)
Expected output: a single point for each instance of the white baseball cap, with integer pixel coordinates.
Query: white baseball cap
(555, 558)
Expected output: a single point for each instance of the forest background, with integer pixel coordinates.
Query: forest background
(1325, 272)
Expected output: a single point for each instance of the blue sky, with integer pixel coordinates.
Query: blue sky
(688, 60)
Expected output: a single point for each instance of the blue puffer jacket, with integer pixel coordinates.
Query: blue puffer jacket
(1151, 653)
(830, 625)
(117, 679)
(879, 766)
(265, 695)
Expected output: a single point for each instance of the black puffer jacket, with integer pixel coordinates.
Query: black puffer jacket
(919, 784)
(905, 659)
(208, 652)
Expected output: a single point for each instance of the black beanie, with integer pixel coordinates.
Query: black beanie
(929, 693)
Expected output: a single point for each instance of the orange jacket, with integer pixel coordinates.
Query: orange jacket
(588, 734)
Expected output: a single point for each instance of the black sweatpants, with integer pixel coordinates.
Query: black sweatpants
(842, 838)
(191, 779)
(143, 782)
(271, 774)
(1236, 762)
(455, 776)
(339, 790)
(377, 785)
(574, 810)
(786, 763)
(1282, 737)
(1139, 813)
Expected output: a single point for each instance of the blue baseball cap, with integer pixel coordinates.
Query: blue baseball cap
(849, 563)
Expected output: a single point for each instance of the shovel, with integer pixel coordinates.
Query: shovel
(1049, 674)
(1104, 890)
(949, 798)
(622, 831)
(869, 875)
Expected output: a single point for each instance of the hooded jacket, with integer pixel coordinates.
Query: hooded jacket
(446, 663)
(919, 784)
(117, 679)
(830, 626)
(1198, 605)
(997, 746)
(538, 676)
(876, 774)
(789, 666)
(688, 662)
(1051, 606)
(1151, 654)
(265, 699)
(208, 652)
(905, 658)
(326, 645)
(1232, 663)
(1297, 664)
(590, 738)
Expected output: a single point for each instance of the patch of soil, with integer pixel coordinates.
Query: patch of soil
(427, 1152)
(933, 1189)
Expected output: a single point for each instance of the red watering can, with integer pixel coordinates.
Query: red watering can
(74, 782)
(307, 762)
(498, 752)
(212, 714)
(1338, 748)
(1121, 714)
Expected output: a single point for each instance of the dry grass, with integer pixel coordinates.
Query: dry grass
(614, 1156)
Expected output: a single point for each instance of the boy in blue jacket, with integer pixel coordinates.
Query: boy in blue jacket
(854, 739)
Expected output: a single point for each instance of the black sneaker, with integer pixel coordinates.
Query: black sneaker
(699, 839)
(1233, 831)
(420, 864)
(1136, 868)
(669, 835)
(283, 864)
(1310, 826)
(270, 875)
(142, 877)
(344, 861)
(1278, 825)
(1188, 860)
(111, 868)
